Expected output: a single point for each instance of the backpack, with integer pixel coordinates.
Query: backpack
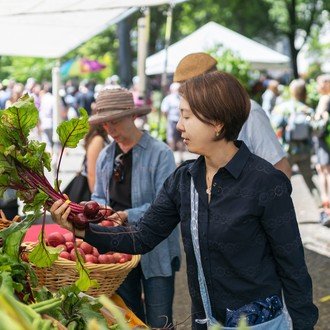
(298, 126)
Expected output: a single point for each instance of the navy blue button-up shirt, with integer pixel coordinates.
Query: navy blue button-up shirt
(249, 238)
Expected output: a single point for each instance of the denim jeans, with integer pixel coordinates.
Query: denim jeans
(156, 309)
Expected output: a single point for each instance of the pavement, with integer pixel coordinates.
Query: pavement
(315, 237)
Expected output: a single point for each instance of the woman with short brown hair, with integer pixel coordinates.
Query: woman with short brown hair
(238, 224)
(218, 97)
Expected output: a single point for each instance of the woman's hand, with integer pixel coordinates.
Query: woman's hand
(59, 212)
(119, 218)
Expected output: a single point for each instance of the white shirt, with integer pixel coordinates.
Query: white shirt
(46, 111)
(259, 136)
(170, 106)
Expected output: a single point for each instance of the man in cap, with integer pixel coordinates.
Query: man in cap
(257, 132)
(129, 173)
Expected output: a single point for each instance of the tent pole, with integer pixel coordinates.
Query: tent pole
(168, 33)
(56, 83)
(143, 42)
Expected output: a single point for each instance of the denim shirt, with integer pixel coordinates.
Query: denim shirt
(153, 162)
(248, 234)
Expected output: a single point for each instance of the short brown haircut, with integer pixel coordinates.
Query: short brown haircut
(218, 97)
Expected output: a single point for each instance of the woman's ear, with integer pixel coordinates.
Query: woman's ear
(218, 128)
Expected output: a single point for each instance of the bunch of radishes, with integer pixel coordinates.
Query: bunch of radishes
(87, 212)
(88, 252)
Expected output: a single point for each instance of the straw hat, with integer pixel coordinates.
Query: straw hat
(193, 65)
(115, 104)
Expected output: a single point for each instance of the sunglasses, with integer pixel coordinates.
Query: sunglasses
(118, 168)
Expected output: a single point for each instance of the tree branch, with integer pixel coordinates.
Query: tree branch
(310, 23)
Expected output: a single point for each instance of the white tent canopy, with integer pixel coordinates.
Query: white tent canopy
(52, 28)
(209, 36)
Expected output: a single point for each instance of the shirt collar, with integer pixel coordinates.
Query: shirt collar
(234, 167)
(236, 164)
(143, 142)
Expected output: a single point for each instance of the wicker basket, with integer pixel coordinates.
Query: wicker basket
(5, 223)
(63, 272)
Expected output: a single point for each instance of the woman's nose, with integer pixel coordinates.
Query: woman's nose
(179, 126)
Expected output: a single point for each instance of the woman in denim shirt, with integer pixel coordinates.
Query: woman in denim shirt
(238, 223)
(130, 171)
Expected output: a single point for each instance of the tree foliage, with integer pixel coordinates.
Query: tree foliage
(297, 18)
(232, 63)
(263, 20)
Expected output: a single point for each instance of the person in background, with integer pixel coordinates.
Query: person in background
(95, 140)
(85, 96)
(322, 147)
(112, 82)
(170, 108)
(269, 96)
(16, 93)
(46, 109)
(8, 86)
(129, 173)
(238, 224)
(257, 132)
(293, 118)
(82, 185)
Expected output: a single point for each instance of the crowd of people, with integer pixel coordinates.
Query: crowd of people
(304, 135)
(232, 204)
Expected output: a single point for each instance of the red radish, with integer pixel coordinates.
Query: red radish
(69, 246)
(73, 254)
(68, 237)
(87, 248)
(63, 246)
(65, 255)
(55, 239)
(91, 209)
(80, 221)
(107, 223)
(117, 256)
(111, 259)
(95, 252)
(129, 257)
(90, 258)
(103, 259)
(106, 212)
(122, 260)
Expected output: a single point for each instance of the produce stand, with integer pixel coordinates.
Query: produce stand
(132, 320)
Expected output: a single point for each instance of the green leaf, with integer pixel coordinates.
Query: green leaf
(115, 311)
(18, 120)
(42, 255)
(13, 235)
(35, 157)
(7, 283)
(72, 131)
(38, 202)
(84, 281)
